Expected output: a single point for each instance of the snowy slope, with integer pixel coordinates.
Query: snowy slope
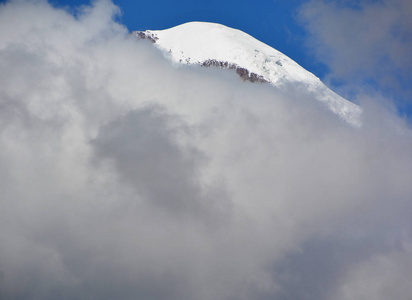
(207, 43)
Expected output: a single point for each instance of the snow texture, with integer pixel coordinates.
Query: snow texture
(210, 44)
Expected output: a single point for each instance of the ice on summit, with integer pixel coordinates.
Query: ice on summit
(215, 44)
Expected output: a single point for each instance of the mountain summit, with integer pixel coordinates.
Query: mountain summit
(211, 44)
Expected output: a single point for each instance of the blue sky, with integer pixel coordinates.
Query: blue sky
(273, 22)
(357, 47)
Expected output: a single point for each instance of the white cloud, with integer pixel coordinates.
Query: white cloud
(124, 177)
(381, 277)
(363, 41)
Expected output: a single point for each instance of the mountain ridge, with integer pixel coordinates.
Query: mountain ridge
(212, 44)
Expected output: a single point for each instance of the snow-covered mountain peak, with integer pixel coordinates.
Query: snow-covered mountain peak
(211, 44)
(197, 42)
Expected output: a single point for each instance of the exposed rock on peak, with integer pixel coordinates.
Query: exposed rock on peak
(215, 45)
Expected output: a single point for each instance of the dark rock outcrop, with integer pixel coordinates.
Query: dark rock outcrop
(144, 35)
(244, 73)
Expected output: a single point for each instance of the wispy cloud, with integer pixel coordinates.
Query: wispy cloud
(123, 176)
(364, 43)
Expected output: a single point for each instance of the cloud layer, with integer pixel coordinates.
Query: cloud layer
(125, 177)
(364, 43)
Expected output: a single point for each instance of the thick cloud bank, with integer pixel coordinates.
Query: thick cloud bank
(124, 177)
